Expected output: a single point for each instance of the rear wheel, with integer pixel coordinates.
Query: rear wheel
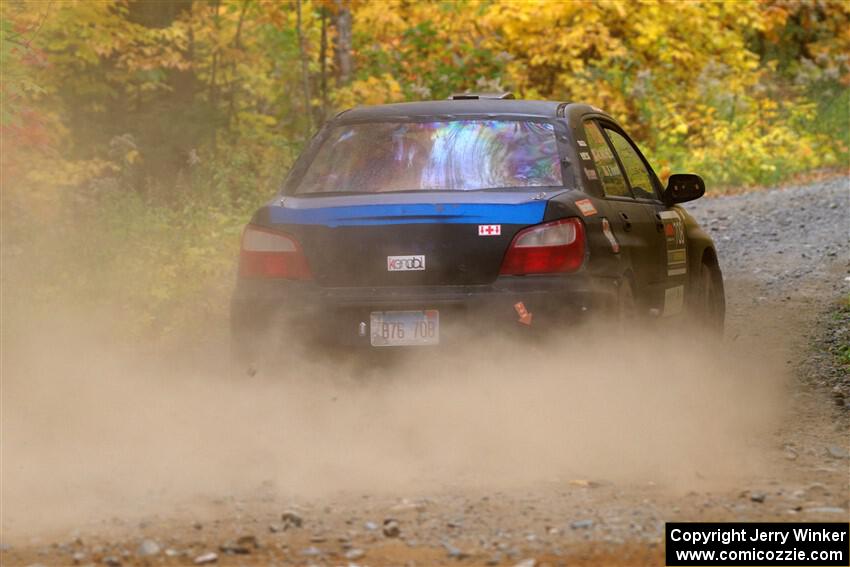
(244, 355)
(706, 302)
(623, 311)
(264, 353)
(248, 336)
(627, 312)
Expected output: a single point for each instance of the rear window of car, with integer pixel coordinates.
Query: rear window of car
(458, 155)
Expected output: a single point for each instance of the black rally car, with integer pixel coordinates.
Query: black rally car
(406, 224)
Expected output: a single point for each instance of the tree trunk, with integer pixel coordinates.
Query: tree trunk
(237, 44)
(342, 48)
(164, 143)
(323, 61)
(305, 71)
(213, 86)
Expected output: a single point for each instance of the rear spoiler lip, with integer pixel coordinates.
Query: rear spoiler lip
(438, 198)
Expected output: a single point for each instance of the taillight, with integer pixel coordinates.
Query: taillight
(269, 254)
(554, 247)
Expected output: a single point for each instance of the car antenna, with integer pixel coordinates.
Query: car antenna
(483, 96)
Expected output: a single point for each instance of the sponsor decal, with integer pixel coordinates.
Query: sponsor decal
(674, 235)
(674, 300)
(602, 154)
(489, 229)
(522, 312)
(581, 143)
(406, 263)
(591, 174)
(609, 234)
(610, 171)
(584, 156)
(586, 207)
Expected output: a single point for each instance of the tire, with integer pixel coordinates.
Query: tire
(626, 306)
(706, 301)
(623, 314)
(244, 355)
(248, 336)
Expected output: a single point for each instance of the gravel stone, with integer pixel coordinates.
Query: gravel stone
(391, 528)
(826, 510)
(758, 497)
(147, 548)
(291, 519)
(248, 540)
(311, 551)
(837, 452)
(206, 558)
(455, 552)
(233, 548)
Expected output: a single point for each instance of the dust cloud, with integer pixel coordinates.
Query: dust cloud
(91, 430)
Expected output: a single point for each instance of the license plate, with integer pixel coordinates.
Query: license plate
(405, 328)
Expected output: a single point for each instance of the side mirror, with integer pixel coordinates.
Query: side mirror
(683, 187)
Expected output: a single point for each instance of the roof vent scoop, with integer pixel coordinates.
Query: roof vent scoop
(487, 96)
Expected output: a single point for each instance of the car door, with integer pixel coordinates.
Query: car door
(633, 225)
(669, 243)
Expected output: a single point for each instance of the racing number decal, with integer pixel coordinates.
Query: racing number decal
(677, 251)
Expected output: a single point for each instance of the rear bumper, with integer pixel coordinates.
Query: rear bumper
(336, 315)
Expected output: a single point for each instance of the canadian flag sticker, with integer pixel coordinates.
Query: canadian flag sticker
(489, 229)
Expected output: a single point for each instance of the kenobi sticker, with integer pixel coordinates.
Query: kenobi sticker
(584, 156)
(406, 263)
(591, 174)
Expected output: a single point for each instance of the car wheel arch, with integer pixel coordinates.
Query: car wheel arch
(709, 260)
(707, 275)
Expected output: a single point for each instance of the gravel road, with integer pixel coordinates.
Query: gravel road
(785, 254)
(781, 241)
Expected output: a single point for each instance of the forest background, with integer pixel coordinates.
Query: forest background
(138, 136)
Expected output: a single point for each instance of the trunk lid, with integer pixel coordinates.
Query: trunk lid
(349, 239)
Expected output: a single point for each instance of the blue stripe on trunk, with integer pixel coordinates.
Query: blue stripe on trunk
(367, 215)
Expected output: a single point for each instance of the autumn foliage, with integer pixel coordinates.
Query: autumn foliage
(154, 127)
